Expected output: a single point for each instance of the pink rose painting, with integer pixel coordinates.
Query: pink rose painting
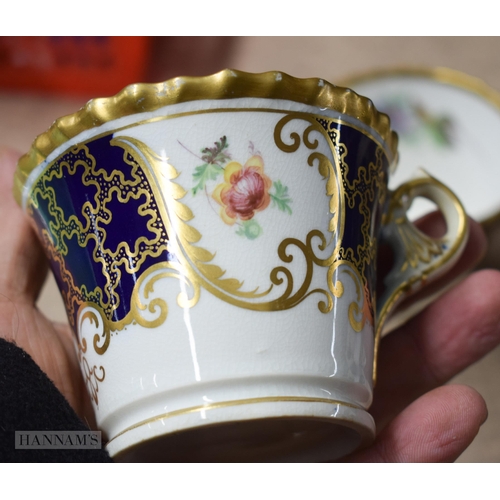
(245, 189)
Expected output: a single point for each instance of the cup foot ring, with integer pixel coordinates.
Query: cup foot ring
(253, 431)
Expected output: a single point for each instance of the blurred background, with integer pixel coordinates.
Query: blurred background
(43, 78)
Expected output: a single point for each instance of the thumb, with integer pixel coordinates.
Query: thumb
(23, 265)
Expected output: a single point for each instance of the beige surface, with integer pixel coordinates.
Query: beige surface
(334, 58)
(22, 117)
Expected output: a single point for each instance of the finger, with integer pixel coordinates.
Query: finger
(22, 262)
(451, 334)
(438, 427)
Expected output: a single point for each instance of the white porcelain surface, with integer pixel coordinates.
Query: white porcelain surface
(446, 127)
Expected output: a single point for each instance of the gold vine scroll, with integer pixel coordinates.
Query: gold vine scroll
(194, 264)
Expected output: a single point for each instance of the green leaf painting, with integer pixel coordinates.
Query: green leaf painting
(244, 189)
(213, 158)
(249, 229)
(280, 197)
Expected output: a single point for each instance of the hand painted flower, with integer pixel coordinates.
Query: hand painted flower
(244, 192)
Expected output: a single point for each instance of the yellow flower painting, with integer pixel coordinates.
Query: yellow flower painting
(245, 189)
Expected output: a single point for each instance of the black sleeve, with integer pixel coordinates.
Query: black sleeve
(29, 401)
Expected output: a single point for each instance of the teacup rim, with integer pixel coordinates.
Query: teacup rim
(226, 84)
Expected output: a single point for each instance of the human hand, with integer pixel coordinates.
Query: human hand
(23, 268)
(418, 418)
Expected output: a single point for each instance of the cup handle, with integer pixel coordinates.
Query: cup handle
(418, 258)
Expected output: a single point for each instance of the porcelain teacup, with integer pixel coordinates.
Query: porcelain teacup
(215, 242)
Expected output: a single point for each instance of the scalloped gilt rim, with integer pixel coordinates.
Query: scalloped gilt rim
(227, 84)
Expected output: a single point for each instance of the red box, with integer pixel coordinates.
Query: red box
(93, 65)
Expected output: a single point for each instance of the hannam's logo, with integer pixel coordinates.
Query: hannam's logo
(58, 440)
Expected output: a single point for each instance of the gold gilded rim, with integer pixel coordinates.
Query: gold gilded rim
(238, 402)
(227, 84)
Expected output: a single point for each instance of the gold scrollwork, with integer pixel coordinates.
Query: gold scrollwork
(325, 167)
(418, 247)
(95, 217)
(142, 303)
(368, 188)
(153, 180)
(196, 262)
(92, 376)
